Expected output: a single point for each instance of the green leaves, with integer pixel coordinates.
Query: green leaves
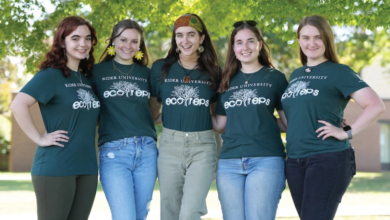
(276, 19)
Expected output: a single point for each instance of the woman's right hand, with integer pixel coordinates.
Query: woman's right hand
(53, 138)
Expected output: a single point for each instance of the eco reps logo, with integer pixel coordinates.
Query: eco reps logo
(87, 100)
(245, 97)
(187, 95)
(129, 89)
(299, 88)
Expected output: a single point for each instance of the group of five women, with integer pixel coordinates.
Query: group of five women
(124, 97)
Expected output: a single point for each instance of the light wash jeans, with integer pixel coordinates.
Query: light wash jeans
(250, 188)
(128, 172)
(186, 167)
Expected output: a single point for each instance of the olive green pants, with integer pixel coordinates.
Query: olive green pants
(64, 197)
(186, 166)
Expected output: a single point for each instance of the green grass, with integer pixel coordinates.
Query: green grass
(361, 183)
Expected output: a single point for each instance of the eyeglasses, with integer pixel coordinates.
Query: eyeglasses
(250, 22)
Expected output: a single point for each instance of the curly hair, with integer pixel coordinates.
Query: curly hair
(56, 57)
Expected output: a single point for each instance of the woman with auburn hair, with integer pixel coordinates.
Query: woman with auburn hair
(186, 82)
(127, 136)
(64, 171)
(321, 161)
(250, 175)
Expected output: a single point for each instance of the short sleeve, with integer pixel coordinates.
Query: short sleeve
(41, 86)
(220, 109)
(280, 90)
(348, 82)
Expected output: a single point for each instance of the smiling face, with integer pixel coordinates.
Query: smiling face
(126, 46)
(312, 45)
(188, 40)
(78, 44)
(247, 47)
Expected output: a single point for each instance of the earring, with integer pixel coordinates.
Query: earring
(87, 57)
(201, 49)
(139, 54)
(177, 50)
(111, 50)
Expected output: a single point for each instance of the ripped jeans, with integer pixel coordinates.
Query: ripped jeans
(128, 172)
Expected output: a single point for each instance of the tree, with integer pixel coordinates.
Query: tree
(277, 18)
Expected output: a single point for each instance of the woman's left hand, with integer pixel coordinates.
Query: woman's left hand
(328, 130)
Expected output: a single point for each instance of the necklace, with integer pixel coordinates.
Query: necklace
(309, 69)
(187, 77)
(246, 80)
(121, 72)
(78, 77)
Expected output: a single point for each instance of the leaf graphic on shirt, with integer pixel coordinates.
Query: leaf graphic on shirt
(185, 92)
(297, 87)
(244, 95)
(85, 96)
(125, 86)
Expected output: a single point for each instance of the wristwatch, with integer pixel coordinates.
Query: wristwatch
(348, 129)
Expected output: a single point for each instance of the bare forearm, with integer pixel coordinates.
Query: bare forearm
(158, 120)
(218, 124)
(155, 108)
(281, 125)
(370, 114)
(26, 123)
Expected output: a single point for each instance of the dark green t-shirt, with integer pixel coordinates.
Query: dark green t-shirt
(65, 104)
(124, 101)
(251, 129)
(321, 94)
(186, 106)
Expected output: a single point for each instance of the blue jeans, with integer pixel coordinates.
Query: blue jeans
(250, 188)
(318, 182)
(128, 172)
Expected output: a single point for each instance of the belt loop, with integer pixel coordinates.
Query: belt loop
(197, 136)
(124, 141)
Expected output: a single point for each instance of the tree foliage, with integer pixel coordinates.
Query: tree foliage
(21, 35)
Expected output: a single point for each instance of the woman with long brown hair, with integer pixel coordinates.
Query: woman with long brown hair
(250, 175)
(321, 161)
(64, 171)
(186, 83)
(127, 136)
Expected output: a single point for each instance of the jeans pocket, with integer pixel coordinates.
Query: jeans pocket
(150, 142)
(112, 145)
(352, 161)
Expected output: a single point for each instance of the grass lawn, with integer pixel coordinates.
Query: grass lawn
(368, 193)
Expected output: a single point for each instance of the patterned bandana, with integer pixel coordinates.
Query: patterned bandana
(188, 20)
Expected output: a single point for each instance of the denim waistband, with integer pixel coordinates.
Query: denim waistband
(134, 139)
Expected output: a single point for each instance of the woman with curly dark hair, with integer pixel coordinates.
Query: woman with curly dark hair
(64, 171)
(186, 82)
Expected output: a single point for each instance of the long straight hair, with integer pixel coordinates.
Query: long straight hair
(56, 58)
(207, 61)
(232, 64)
(117, 31)
(327, 37)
